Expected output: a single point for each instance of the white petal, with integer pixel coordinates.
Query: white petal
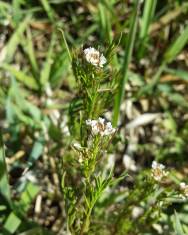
(154, 164)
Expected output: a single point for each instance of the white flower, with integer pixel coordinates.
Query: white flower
(101, 127)
(184, 189)
(94, 57)
(158, 171)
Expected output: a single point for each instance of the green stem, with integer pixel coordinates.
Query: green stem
(95, 87)
(86, 223)
(93, 156)
(90, 115)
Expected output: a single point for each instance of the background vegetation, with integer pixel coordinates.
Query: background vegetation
(41, 104)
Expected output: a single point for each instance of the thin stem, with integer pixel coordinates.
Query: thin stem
(85, 225)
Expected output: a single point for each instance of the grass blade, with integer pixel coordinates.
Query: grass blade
(12, 44)
(177, 46)
(149, 9)
(177, 225)
(66, 45)
(45, 73)
(182, 74)
(28, 196)
(21, 76)
(4, 185)
(105, 22)
(48, 9)
(29, 50)
(127, 59)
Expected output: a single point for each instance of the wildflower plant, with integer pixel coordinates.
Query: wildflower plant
(97, 82)
(81, 123)
(96, 86)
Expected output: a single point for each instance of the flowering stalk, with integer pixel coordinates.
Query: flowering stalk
(97, 84)
(91, 76)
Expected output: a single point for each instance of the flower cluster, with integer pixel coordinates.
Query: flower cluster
(184, 190)
(94, 57)
(100, 127)
(158, 171)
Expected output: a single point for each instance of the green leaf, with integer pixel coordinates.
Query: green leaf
(177, 225)
(36, 150)
(17, 11)
(28, 47)
(59, 68)
(105, 22)
(178, 99)
(27, 196)
(4, 185)
(66, 45)
(177, 46)
(45, 73)
(3, 207)
(149, 10)
(12, 223)
(48, 9)
(30, 82)
(178, 72)
(13, 42)
(115, 181)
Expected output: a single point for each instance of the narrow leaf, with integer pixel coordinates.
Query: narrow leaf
(10, 48)
(177, 46)
(177, 225)
(45, 73)
(4, 185)
(30, 82)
